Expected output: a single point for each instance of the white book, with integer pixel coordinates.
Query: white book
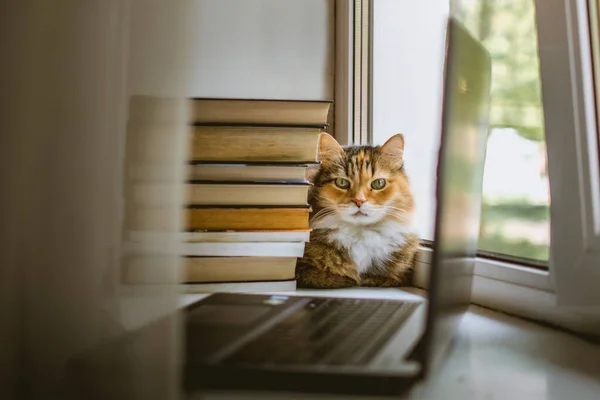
(222, 172)
(153, 270)
(256, 249)
(222, 236)
(239, 287)
(220, 193)
(199, 249)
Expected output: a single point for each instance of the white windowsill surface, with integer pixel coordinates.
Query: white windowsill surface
(517, 290)
(496, 356)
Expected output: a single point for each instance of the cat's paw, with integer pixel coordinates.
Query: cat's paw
(380, 281)
(308, 276)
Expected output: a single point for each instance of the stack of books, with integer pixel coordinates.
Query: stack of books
(246, 214)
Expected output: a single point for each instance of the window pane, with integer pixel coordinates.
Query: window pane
(515, 214)
(408, 57)
(408, 65)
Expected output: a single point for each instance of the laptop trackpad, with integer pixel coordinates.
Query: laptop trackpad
(221, 319)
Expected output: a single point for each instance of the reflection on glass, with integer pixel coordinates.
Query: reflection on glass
(515, 210)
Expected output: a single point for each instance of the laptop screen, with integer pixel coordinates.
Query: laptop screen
(465, 121)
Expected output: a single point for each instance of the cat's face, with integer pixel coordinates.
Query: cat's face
(361, 185)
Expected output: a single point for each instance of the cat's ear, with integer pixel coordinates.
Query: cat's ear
(329, 149)
(393, 149)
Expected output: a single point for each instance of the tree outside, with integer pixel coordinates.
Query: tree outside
(515, 211)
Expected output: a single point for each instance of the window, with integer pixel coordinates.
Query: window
(408, 64)
(515, 218)
(407, 98)
(545, 65)
(572, 139)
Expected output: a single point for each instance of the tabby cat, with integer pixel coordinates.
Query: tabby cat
(362, 218)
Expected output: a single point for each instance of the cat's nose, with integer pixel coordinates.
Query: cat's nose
(358, 202)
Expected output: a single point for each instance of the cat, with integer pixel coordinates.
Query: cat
(361, 219)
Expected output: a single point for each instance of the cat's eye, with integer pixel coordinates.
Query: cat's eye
(378, 184)
(342, 183)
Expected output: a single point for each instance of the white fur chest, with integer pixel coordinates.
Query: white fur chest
(368, 245)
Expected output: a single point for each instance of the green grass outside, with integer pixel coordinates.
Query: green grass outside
(499, 214)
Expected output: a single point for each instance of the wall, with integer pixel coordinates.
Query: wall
(279, 49)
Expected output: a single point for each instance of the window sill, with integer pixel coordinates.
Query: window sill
(509, 288)
(516, 290)
(497, 270)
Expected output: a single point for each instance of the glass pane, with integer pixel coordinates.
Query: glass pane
(515, 215)
(408, 69)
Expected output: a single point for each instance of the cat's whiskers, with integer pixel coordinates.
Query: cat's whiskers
(397, 210)
(324, 211)
(399, 214)
(323, 217)
(324, 221)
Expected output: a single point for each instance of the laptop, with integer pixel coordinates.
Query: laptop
(349, 345)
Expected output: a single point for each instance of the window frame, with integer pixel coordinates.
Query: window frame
(343, 106)
(511, 287)
(573, 167)
(353, 63)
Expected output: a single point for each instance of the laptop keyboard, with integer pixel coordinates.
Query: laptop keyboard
(327, 332)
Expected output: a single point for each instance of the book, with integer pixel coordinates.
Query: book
(225, 193)
(223, 172)
(239, 287)
(230, 269)
(238, 249)
(150, 270)
(266, 112)
(155, 143)
(224, 218)
(224, 236)
(239, 111)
